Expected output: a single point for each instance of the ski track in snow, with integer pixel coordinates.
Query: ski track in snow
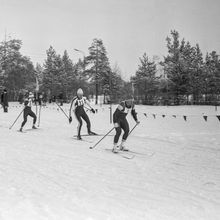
(47, 174)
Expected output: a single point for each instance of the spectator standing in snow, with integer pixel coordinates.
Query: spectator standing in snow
(4, 100)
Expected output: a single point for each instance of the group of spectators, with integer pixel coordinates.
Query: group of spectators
(38, 97)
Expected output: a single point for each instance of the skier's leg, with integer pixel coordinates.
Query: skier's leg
(25, 115)
(116, 138)
(86, 119)
(78, 117)
(117, 135)
(125, 127)
(33, 115)
(5, 107)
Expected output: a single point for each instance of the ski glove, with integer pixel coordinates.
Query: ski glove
(70, 119)
(93, 110)
(116, 125)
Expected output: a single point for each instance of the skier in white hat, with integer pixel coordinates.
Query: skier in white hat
(77, 104)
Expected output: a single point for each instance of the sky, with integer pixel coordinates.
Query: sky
(128, 28)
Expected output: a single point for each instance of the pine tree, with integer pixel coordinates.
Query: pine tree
(196, 74)
(17, 70)
(145, 79)
(117, 85)
(82, 75)
(53, 73)
(99, 67)
(212, 76)
(68, 82)
(177, 65)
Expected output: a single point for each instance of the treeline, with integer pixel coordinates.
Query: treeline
(187, 77)
(184, 75)
(59, 75)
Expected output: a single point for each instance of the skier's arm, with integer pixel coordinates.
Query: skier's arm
(26, 101)
(88, 104)
(121, 106)
(116, 114)
(134, 114)
(71, 105)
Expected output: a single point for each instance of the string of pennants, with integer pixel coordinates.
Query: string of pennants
(47, 107)
(185, 117)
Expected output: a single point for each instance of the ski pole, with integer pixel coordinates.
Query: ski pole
(133, 129)
(16, 119)
(39, 116)
(62, 111)
(101, 139)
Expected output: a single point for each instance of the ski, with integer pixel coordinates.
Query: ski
(21, 131)
(82, 140)
(32, 129)
(95, 135)
(141, 154)
(28, 129)
(126, 156)
(83, 135)
(122, 154)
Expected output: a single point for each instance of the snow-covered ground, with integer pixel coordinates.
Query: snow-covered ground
(46, 174)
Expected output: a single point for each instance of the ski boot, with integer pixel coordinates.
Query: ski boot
(79, 137)
(122, 146)
(91, 133)
(34, 127)
(116, 148)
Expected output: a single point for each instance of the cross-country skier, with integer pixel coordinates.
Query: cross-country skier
(77, 104)
(121, 123)
(27, 110)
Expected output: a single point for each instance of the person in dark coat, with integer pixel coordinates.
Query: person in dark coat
(20, 97)
(61, 98)
(4, 100)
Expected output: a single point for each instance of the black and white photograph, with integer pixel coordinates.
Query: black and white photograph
(109, 110)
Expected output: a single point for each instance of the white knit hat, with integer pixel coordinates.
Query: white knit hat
(31, 95)
(79, 91)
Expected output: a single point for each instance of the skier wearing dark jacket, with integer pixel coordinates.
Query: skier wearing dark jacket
(27, 110)
(121, 123)
(4, 100)
(77, 104)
